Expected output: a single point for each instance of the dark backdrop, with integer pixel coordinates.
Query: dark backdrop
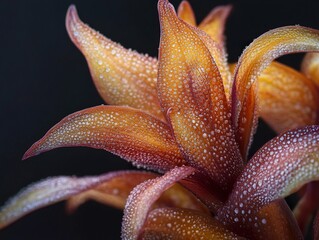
(43, 77)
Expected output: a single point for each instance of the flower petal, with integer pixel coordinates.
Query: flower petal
(115, 191)
(122, 77)
(194, 98)
(130, 133)
(173, 223)
(44, 193)
(186, 13)
(214, 23)
(256, 57)
(310, 67)
(143, 196)
(316, 227)
(286, 98)
(278, 169)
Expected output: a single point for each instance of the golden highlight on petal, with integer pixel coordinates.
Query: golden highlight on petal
(115, 191)
(184, 224)
(310, 67)
(286, 98)
(44, 193)
(186, 13)
(130, 133)
(194, 98)
(256, 57)
(122, 77)
(143, 196)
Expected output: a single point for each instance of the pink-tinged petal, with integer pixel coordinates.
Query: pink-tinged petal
(186, 13)
(286, 98)
(307, 206)
(184, 224)
(310, 67)
(122, 76)
(44, 193)
(214, 23)
(278, 169)
(256, 57)
(130, 133)
(194, 98)
(115, 191)
(143, 196)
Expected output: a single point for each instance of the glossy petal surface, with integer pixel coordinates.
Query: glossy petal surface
(44, 193)
(143, 196)
(286, 98)
(184, 224)
(122, 77)
(278, 169)
(193, 95)
(310, 67)
(115, 191)
(132, 134)
(186, 13)
(256, 57)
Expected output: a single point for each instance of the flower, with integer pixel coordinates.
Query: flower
(187, 118)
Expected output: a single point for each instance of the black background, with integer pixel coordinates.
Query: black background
(43, 78)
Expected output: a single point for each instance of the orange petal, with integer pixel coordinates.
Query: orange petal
(184, 224)
(115, 191)
(278, 169)
(310, 67)
(186, 13)
(214, 23)
(256, 57)
(130, 133)
(194, 97)
(143, 196)
(44, 193)
(122, 77)
(286, 98)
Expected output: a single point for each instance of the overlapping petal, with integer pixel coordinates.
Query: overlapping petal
(44, 193)
(130, 133)
(256, 57)
(122, 76)
(186, 13)
(115, 191)
(286, 98)
(310, 67)
(191, 91)
(184, 224)
(278, 169)
(143, 196)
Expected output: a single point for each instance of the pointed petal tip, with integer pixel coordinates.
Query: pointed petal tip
(71, 20)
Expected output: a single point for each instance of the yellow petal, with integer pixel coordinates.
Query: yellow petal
(191, 91)
(186, 13)
(122, 77)
(256, 57)
(115, 191)
(310, 67)
(184, 224)
(286, 98)
(130, 133)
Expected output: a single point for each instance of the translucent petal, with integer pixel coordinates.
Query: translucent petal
(278, 169)
(286, 98)
(186, 13)
(44, 193)
(115, 191)
(184, 224)
(310, 67)
(191, 91)
(130, 133)
(122, 76)
(256, 57)
(143, 196)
